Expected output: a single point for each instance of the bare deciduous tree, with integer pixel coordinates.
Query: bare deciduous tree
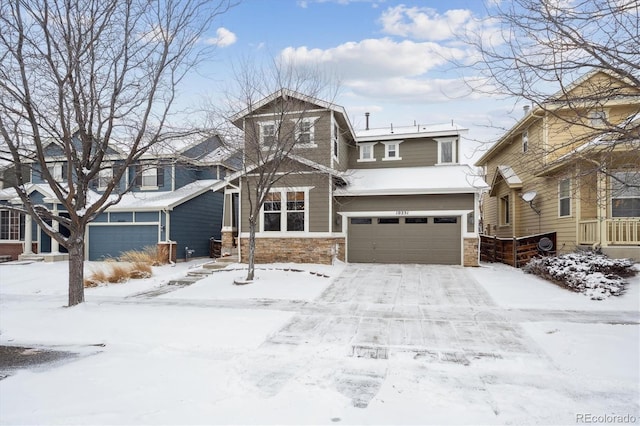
(530, 49)
(89, 78)
(288, 94)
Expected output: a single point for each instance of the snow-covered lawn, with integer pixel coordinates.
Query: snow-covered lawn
(215, 353)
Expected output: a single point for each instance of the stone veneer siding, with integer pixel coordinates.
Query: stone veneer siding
(471, 251)
(227, 241)
(296, 250)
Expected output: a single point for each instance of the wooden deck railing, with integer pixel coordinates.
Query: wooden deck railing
(514, 251)
(618, 231)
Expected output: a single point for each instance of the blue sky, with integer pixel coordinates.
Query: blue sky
(389, 55)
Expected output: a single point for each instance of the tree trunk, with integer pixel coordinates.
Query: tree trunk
(252, 249)
(76, 270)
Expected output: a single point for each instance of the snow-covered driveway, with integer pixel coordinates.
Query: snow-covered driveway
(384, 344)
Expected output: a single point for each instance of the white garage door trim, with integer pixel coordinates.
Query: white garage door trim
(462, 214)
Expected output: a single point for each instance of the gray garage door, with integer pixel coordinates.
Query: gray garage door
(431, 240)
(110, 241)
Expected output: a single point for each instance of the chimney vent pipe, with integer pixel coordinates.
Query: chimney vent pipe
(366, 116)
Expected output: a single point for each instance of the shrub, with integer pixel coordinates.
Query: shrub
(112, 272)
(592, 274)
(148, 255)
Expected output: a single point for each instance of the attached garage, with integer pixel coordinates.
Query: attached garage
(109, 241)
(425, 239)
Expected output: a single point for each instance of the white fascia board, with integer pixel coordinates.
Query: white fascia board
(405, 213)
(392, 136)
(370, 193)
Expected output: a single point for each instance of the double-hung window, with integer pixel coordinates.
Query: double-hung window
(525, 141)
(58, 171)
(392, 150)
(285, 210)
(366, 151)
(335, 138)
(149, 176)
(505, 216)
(267, 133)
(304, 132)
(104, 177)
(11, 225)
(597, 118)
(564, 197)
(447, 151)
(625, 194)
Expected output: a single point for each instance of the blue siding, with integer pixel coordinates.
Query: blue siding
(110, 241)
(185, 175)
(194, 222)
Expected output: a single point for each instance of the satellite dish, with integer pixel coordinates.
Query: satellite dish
(529, 196)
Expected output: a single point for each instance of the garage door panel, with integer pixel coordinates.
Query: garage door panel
(430, 242)
(111, 241)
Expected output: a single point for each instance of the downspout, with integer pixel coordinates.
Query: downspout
(167, 231)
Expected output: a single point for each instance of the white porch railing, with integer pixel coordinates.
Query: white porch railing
(618, 231)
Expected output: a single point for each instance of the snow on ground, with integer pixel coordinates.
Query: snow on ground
(214, 353)
(511, 288)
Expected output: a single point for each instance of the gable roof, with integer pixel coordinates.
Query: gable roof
(508, 175)
(411, 180)
(237, 121)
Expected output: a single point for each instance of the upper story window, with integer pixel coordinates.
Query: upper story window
(149, 177)
(305, 132)
(447, 151)
(11, 225)
(104, 177)
(267, 133)
(335, 139)
(58, 171)
(285, 210)
(525, 141)
(625, 194)
(597, 118)
(564, 197)
(366, 151)
(392, 150)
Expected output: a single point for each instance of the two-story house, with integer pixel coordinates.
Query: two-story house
(175, 194)
(396, 195)
(561, 169)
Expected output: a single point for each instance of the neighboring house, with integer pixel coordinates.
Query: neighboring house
(554, 171)
(397, 195)
(175, 195)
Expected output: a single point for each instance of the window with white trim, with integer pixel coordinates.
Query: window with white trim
(366, 151)
(305, 131)
(504, 208)
(447, 151)
(286, 216)
(104, 177)
(625, 194)
(58, 171)
(392, 151)
(149, 176)
(336, 146)
(11, 225)
(525, 141)
(564, 197)
(267, 133)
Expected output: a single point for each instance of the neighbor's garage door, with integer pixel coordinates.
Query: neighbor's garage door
(435, 240)
(110, 241)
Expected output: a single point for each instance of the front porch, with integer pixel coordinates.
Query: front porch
(609, 232)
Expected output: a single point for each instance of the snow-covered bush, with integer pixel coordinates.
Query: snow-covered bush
(592, 274)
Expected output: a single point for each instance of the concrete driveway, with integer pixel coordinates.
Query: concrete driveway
(435, 311)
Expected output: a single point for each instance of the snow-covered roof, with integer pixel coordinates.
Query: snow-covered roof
(417, 131)
(411, 180)
(10, 194)
(139, 201)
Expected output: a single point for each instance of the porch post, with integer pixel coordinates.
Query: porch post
(55, 246)
(602, 209)
(28, 235)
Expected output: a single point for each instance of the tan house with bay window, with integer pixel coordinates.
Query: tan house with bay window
(394, 195)
(562, 169)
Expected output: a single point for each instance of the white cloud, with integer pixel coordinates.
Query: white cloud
(426, 23)
(223, 38)
(376, 58)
